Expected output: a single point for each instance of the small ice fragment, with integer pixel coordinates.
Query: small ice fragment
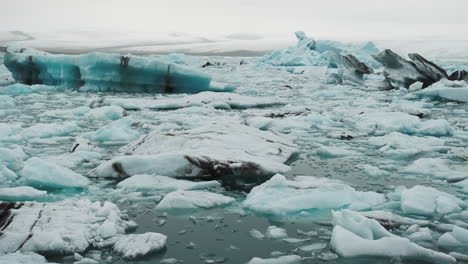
(138, 245)
(274, 232)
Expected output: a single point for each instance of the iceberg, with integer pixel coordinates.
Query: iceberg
(155, 182)
(139, 245)
(218, 149)
(282, 197)
(351, 70)
(22, 193)
(354, 235)
(428, 201)
(62, 227)
(458, 237)
(43, 173)
(403, 73)
(105, 72)
(193, 200)
(310, 52)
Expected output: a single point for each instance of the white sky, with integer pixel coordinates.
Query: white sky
(339, 19)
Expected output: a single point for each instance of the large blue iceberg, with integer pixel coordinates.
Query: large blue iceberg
(105, 72)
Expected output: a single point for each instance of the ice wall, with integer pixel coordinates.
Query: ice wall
(106, 72)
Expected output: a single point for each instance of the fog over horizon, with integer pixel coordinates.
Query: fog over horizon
(344, 20)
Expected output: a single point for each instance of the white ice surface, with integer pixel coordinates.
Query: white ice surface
(193, 200)
(139, 245)
(156, 182)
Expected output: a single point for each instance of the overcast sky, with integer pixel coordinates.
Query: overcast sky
(341, 19)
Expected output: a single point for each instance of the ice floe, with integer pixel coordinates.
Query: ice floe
(193, 200)
(58, 228)
(138, 245)
(282, 197)
(217, 149)
(120, 131)
(44, 173)
(355, 235)
(22, 193)
(157, 182)
(288, 259)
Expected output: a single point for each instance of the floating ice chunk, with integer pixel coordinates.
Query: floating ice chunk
(357, 236)
(210, 99)
(457, 238)
(101, 72)
(119, 130)
(335, 152)
(288, 259)
(434, 167)
(112, 112)
(86, 261)
(6, 174)
(73, 160)
(193, 200)
(380, 123)
(417, 233)
(373, 171)
(23, 193)
(50, 130)
(12, 158)
(313, 247)
(256, 234)
(40, 172)
(156, 182)
(282, 197)
(138, 245)
(57, 228)
(417, 86)
(446, 90)
(6, 102)
(417, 108)
(399, 146)
(23, 258)
(171, 165)
(464, 185)
(218, 149)
(274, 232)
(421, 200)
(402, 73)
(82, 144)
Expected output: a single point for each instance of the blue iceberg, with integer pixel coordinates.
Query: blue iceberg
(106, 72)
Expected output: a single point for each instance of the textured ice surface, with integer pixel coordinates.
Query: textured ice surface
(139, 245)
(428, 201)
(61, 227)
(193, 200)
(282, 197)
(457, 238)
(43, 173)
(156, 182)
(217, 149)
(105, 72)
(446, 90)
(355, 235)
